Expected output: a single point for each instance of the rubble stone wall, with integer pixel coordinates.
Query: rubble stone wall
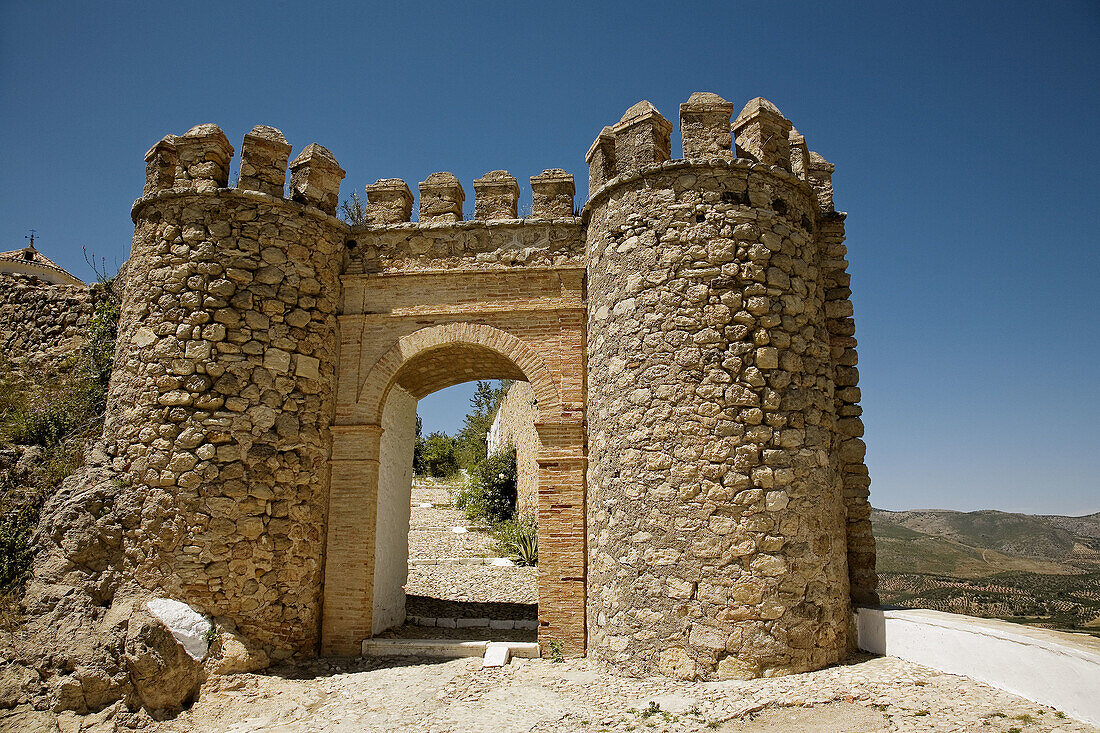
(715, 515)
(514, 425)
(41, 322)
(701, 487)
(222, 396)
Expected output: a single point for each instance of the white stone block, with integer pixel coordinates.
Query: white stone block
(496, 655)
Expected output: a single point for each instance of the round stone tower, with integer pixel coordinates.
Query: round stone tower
(222, 395)
(716, 515)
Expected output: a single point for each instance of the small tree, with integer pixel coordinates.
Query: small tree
(472, 439)
(439, 455)
(354, 210)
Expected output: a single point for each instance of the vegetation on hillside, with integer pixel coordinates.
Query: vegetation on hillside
(1041, 570)
(47, 420)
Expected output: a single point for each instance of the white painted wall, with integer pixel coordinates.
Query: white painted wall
(391, 558)
(1050, 667)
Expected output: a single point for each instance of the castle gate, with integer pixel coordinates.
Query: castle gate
(447, 304)
(703, 500)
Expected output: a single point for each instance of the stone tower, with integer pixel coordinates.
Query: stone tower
(725, 472)
(221, 402)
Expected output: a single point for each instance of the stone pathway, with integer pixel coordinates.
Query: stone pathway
(431, 538)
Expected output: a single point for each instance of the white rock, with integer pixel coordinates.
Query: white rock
(496, 655)
(189, 627)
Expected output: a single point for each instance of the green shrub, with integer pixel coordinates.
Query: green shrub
(489, 494)
(518, 538)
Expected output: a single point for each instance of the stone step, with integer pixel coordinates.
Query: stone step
(472, 623)
(495, 654)
(499, 561)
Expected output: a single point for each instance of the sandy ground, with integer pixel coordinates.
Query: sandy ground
(867, 694)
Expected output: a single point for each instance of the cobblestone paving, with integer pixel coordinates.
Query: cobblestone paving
(866, 694)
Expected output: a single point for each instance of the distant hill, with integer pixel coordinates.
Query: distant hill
(1035, 569)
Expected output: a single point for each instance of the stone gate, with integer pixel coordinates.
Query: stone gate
(702, 497)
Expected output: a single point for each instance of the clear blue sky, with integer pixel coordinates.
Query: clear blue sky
(964, 136)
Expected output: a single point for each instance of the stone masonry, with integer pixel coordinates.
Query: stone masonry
(688, 342)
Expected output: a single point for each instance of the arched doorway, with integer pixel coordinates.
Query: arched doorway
(368, 500)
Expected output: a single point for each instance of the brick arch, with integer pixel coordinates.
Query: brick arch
(424, 362)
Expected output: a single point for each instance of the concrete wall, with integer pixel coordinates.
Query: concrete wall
(1050, 667)
(391, 564)
(514, 425)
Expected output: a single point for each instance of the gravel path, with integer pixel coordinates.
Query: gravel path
(867, 694)
(431, 537)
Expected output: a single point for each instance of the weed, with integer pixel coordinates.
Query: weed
(518, 538)
(557, 654)
(1059, 714)
(1024, 718)
(653, 709)
(1014, 729)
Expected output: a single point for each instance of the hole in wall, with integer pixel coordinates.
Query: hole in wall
(779, 206)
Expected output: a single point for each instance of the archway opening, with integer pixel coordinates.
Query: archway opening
(447, 563)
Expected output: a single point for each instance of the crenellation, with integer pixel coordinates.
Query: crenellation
(315, 178)
(160, 165)
(705, 126)
(689, 341)
(441, 198)
(553, 193)
(496, 196)
(800, 154)
(819, 174)
(389, 201)
(264, 156)
(601, 160)
(761, 132)
(204, 154)
(642, 137)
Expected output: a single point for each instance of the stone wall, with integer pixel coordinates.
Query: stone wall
(701, 491)
(716, 515)
(514, 425)
(222, 398)
(41, 323)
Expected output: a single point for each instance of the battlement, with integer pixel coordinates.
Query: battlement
(199, 160)
(641, 141)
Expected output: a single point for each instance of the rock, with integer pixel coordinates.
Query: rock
(233, 654)
(164, 675)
